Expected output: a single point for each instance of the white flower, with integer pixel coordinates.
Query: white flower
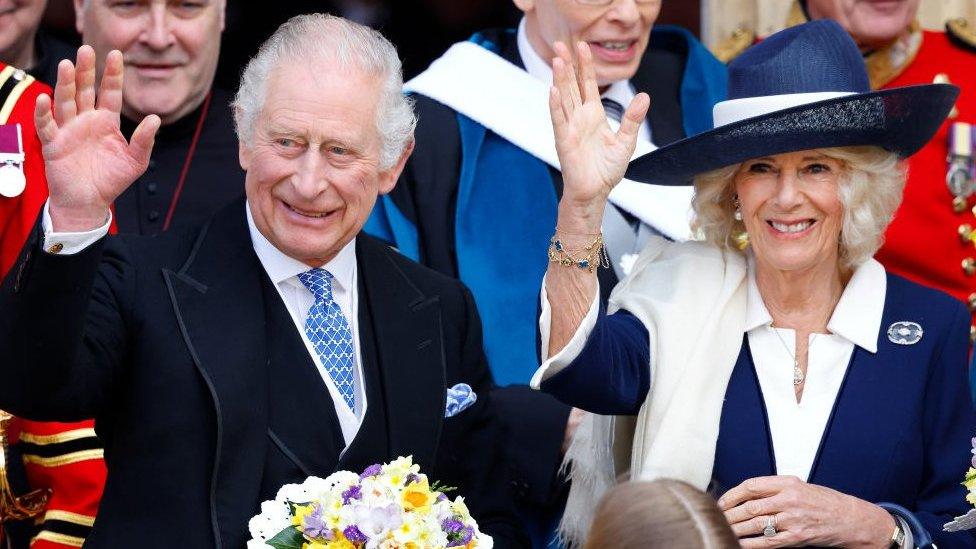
(378, 522)
(295, 493)
(274, 518)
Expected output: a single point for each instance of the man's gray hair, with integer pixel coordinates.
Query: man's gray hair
(311, 37)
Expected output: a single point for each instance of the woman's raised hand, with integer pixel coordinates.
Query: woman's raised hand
(87, 159)
(592, 156)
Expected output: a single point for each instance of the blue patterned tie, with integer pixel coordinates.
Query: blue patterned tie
(328, 330)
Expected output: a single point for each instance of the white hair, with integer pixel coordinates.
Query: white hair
(319, 36)
(870, 190)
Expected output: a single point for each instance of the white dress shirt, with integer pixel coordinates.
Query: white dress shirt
(620, 91)
(283, 271)
(796, 428)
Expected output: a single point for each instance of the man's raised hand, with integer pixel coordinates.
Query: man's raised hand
(87, 159)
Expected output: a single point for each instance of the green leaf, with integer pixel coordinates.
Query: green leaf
(289, 538)
(442, 488)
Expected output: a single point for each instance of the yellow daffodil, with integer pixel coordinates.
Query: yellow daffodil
(418, 497)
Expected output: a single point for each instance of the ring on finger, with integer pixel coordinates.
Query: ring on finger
(770, 529)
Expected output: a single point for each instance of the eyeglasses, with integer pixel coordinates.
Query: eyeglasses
(608, 2)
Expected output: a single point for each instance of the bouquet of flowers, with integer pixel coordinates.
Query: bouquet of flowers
(388, 506)
(967, 521)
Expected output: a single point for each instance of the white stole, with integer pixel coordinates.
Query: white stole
(691, 297)
(515, 105)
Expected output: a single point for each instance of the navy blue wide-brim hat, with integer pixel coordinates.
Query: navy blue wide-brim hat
(802, 88)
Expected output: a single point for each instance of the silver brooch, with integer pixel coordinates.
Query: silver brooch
(905, 333)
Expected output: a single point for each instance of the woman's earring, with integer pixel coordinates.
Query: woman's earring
(738, 208)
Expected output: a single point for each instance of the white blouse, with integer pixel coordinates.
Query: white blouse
(796, 428)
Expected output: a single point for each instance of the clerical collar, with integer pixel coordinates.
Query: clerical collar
(181, 128)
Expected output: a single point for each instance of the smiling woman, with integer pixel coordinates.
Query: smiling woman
(825, 399)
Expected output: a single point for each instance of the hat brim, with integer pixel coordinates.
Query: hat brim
(901, 120)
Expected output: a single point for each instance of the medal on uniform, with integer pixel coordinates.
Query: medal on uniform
(959, 175)
(12, 180)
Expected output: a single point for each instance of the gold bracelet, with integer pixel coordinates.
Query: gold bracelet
(593, 255)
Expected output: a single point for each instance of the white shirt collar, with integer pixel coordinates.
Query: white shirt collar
(620, 91)
(281, 267)
(857, 316)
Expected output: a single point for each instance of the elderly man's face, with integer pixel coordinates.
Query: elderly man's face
(791, 208)
(19, 20)
(170, 50)
(313, 167)
(617, 33)
(871, 23)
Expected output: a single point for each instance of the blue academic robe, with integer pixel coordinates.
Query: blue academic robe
(899, 431)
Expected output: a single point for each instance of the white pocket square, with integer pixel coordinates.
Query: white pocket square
(459, 398)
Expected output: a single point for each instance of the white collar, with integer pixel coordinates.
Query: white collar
(857, 316)
(620, 91)
(281, 267)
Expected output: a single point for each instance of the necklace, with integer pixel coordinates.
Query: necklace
(798, 376)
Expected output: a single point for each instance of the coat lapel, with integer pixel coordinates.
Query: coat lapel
(744, 449)
(867, 416)
(218, 303)
(409, 355)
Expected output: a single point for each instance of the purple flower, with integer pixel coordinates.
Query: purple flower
(371, 471)
(974, 451)
(457, 533)
(314, 527)
(441, 497)
(452, 526)
(411, 478)
(351, 493)
(460, 538)
(353, 534)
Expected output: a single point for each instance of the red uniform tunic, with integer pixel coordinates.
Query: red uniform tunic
(64, 457)
(923, 242)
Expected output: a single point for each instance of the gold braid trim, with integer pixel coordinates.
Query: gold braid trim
(65, 459)
(962, 30)
(59, 538)
(11, 101)
(67, 516)
(66, 436)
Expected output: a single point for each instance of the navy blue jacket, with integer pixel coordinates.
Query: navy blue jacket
(899, 432)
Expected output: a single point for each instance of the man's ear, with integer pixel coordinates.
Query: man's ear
(525, 5)
(243, 155)
(80, 16)
(388, 178)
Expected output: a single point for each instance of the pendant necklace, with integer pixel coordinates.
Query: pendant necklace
(798, 376)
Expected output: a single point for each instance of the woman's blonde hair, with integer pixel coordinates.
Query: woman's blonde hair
(662, 514)
(870, 189)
